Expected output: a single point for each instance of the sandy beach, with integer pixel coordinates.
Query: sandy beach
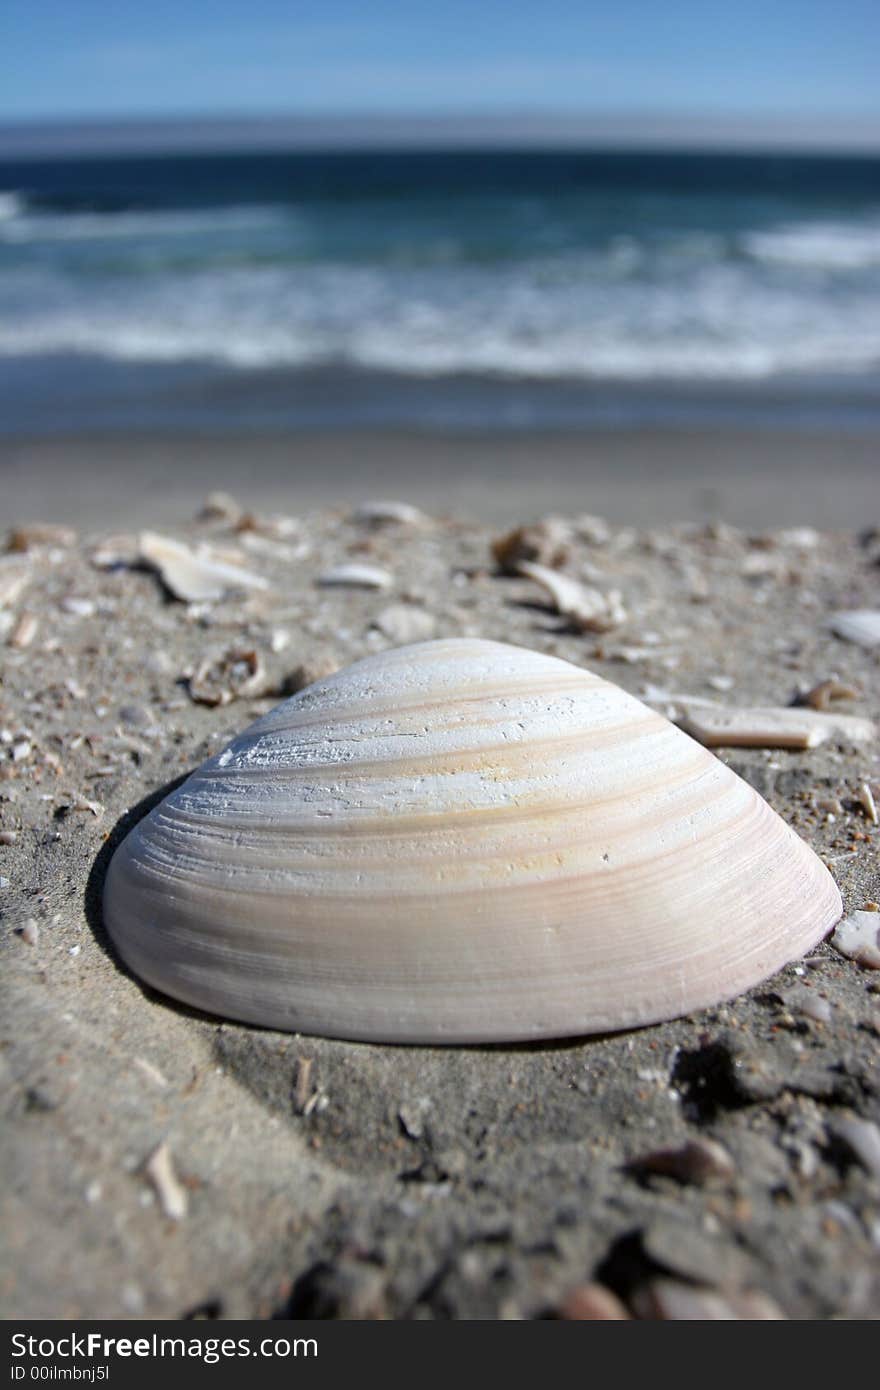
(320, 1178)
(747, 477)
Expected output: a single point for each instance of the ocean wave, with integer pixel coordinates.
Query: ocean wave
(717, 322)
(820, 245)
(21, 224)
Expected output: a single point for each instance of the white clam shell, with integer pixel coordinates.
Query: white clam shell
(463, 841)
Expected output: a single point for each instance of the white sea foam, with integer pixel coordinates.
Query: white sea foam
(684, 303)
(824, 245)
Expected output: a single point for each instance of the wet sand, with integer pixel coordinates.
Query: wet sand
(747, 477)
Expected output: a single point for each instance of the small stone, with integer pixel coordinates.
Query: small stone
(403, 623)
(592, 1303)
(696, 1161)
(862, 1137)
(349, 1289)
(30, 932)
(858, 937)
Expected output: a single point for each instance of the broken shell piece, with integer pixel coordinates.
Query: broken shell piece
(14, 577)
(860, 625)
(233, 675)
(382, 513)
(402, 623)
(25, 631)
(115, 552)
(696, 1161)
(858, 937)
(587, 609)
(547, 542)
(867, 802)
(821, 695)
(160, 1170)
(670, 1301)
(195, 576)
(356, 576)
(462, 841)
(40, 533)
(788, 727)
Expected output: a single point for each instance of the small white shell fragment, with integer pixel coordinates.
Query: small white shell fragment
(382, 512)
(14, 577)
(868, 804)
(670, 1301)
(356, 576)
(172, 1195)
(859, 625)
(462, 841)
(858, 937)
(195, 576)
(403, 622)
(588, 609)
(78, 607)
(25, 631)
(863, 1137)
(787, 727)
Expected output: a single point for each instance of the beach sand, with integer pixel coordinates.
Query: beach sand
(469, 1182)
(747, 477)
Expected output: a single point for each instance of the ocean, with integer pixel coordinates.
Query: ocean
(444, 290)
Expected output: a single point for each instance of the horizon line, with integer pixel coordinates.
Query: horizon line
(218, 132)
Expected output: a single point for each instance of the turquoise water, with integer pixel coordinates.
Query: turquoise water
(447, 288)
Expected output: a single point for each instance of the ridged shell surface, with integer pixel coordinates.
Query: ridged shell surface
(463, 841)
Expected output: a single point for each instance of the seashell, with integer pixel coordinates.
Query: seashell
(860, 625)
(236, 674)
(858, 936)
(356, 576)
(383, 513)
(820, 696)
(546, 542)
(788, 727)
(588, 609)
(195, 576)
(14, 579)
(462, 841)
(25, 631)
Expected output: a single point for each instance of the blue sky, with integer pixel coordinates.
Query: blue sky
(83, 58)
